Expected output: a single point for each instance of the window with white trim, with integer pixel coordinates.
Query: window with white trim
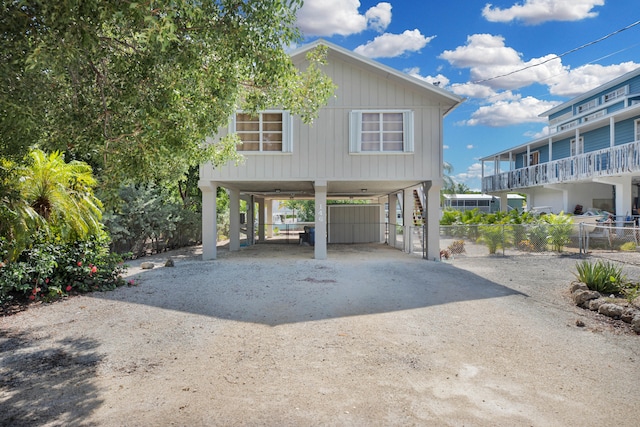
(637, 129)
(587, 106)
(620, 92)
(593, 116)
(568, 125)
(377, 131)
(579, 148)
(268, 131)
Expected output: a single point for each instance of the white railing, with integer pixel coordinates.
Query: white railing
(607, 162)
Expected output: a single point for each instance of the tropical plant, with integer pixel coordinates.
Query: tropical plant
(494, 236)
(560, 230)
(601, 276)
(55, 198)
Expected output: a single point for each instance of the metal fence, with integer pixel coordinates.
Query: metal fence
(527, 239)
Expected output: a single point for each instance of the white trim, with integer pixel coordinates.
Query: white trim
(615, 94)
(355, 132)
(287, 131)
(586, 106)
(573, 150)
(636, 125)
(593, 116)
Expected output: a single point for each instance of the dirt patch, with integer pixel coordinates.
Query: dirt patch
(370, 336)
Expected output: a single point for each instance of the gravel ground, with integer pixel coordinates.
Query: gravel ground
(370, 336)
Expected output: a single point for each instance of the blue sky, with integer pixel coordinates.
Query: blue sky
(465, 44)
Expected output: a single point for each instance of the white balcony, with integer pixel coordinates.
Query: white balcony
(615, 161)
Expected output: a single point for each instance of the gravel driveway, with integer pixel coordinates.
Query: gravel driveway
(371, 336)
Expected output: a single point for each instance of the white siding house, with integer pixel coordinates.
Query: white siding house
(379, 138)
(591, 156)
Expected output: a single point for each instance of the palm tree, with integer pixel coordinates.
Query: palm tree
(61, 195)
(447, 169)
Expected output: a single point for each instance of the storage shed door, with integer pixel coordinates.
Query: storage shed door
(355, 224)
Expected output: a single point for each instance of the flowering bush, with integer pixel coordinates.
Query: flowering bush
(50, 270)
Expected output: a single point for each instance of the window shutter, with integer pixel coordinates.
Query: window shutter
(408, 132)
(355, 119)
(287, 132)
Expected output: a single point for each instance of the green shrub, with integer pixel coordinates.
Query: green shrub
(601, 276)
(49, 270)
(628, 247)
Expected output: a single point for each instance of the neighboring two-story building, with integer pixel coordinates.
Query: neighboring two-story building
(379, 138)
(591, 156)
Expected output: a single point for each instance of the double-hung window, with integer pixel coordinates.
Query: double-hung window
(381, 131)
(268, 131)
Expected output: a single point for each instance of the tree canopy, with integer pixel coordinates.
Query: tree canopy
(133, 88)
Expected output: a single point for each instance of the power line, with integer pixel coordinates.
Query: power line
(562, 54)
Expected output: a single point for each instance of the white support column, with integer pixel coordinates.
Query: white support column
(504, 202)
(407, 218)
(261, 221)
(432, 208)
(320, 247)
(393, 219)
(269, 218)
(624, 193)
(612, 132)
(209, 220)
(381, 202)
(234, 220)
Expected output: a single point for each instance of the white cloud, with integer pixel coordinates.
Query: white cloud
(472, 90)
(341, 17)
(536, 135)
(538, 11)
(488, 57)
(445, 147)
(391, 45)
(469, 147)
(379, 16)
(505, 113)
(473, 172)
(587, 77)
(438, 80)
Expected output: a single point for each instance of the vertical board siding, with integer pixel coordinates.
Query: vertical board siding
(321, 149)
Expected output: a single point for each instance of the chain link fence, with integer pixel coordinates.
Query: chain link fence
(527, 239)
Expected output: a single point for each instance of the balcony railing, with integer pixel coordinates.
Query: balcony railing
(616, 160)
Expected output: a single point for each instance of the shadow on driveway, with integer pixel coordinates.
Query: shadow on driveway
(38, 385)
(279, 284)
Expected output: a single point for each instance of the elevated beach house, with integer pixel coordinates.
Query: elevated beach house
(379, 138)
(591, 156)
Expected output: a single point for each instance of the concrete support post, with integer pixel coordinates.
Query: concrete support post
(393, 219)
(504, 202)
(269, 222)
(209, 220)
(261, 221)
(234, 220)
(382, 201)
(407, 218)
(320, 248)
(432, 192)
